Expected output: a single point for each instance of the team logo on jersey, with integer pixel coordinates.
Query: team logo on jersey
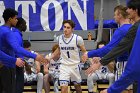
(67, 48)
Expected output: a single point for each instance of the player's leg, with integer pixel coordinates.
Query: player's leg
(46, 83)
(7, 76)
(91, 80)
(39, 82)
(76, 78)
(56, 89)
(64, 78)
(55, 78)
(64, 89)
(110, 77)
(77, 87)
(19, 79)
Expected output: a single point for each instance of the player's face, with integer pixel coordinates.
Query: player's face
(13, 21)
(29, 48)
(131, 13)
(67, 29)
(117, 16)
(101, 45)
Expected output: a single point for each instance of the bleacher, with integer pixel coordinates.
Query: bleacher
(43, 42)
(31, 87)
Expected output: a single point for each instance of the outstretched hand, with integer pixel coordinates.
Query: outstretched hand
(95, 65)
(95, 60)
(41, 59)
(84, 57)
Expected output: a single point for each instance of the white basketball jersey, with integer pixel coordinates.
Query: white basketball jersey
(54, 65)
(31, 62)
(69, 50)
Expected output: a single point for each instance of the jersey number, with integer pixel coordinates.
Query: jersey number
(68, 54)
(104, 70)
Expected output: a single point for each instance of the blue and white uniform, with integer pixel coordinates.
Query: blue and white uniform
(102, 73)
(69, 68)
(54, 67)
(34, 76)
(54, 73)
(132, 69)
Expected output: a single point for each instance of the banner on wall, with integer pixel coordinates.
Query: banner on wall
(48, 15)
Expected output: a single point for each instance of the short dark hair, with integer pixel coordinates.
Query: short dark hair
(9, 13)
(26, 44)
(122, 10)
(101, 43)
(135, 5)
(70, 22)
(20, 21)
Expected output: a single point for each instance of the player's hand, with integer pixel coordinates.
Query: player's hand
(95, 60)
(104, 91)
(93, 68)
(84, 57)
(48, 58)
(20, 62)
(41, 59)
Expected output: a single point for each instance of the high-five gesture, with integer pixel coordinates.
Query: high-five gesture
(95, 65)
(41, 59)
(84, 57)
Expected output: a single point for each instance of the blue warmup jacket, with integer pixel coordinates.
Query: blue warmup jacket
(18, 36)
(6, 59)
(9, 44)
(118, 35)
(23, 53)
(132, 69)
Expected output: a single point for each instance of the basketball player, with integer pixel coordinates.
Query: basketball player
(52, 72)
(18, 29)
(124, 45)
(121, 17)
(69, 45)
(33, 66)
(102, 73)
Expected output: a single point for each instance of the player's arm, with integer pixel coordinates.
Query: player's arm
(46, 67)
(83, 49)
(37, 66)
(9, 61)
(124, 46)
(54, 54)
(6, 59)
(12, 41)
(111, 66)
(80, 43)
